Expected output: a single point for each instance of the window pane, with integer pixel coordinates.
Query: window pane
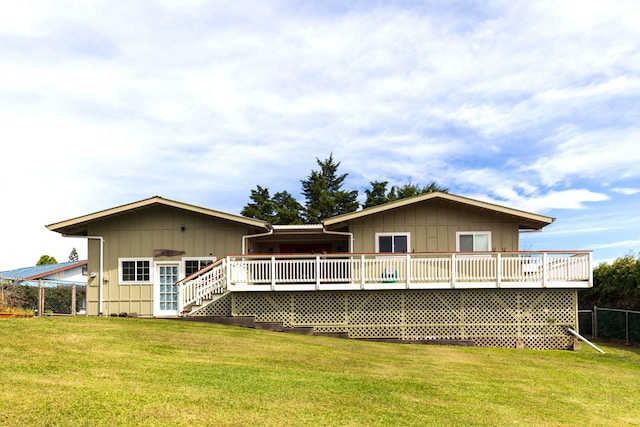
(481, 242)
(385, 244)
(400, 244)
(466, 242)
(205, 262)
(128, 270)
(191, 266)
(142, 273)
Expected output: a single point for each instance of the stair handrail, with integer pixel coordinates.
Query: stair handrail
(207, 281)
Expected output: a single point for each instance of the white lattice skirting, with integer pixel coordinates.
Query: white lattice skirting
(537, 319)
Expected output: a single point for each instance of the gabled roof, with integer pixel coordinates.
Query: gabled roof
(78, 226)
(40, 271)
(526, 220)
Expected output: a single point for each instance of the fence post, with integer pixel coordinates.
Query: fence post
(73, 299)
(595, 321)
(40, 298)
(626, 313)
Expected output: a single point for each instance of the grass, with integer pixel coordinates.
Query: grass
(120, 371)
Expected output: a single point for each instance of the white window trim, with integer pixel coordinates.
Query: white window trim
(378, 235)
(473, 233)
(183, 262)
(121, 281)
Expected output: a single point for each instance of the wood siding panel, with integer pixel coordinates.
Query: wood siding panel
(433, 227)
(138, 234)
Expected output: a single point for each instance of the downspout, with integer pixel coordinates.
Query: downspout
(341, 233)
(248, 236)
(100, 290)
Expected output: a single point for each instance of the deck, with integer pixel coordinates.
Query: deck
(352, 272)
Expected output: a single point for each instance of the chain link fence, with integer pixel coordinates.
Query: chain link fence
(610, 323)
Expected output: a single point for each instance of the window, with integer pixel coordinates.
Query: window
(191, 265)
(136, 270)
(392, 242)
(473, 241)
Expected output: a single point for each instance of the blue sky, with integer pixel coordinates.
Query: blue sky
(532, 105)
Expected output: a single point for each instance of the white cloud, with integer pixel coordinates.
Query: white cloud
(607, 154)
(530, 104)
(625, 244)
(574, 199)
(627, 191)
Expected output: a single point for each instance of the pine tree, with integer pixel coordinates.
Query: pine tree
(324, 195)
(287, 209)
(379, 195)
(262, 207)
(73, 256)
(282, 208)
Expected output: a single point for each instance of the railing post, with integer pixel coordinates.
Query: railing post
(408, 271)
(362, 280)
(454, 268)
(273, 273)
(499, 269)
(180, 298)
(317, 272)
(545, 270)
(590, 269)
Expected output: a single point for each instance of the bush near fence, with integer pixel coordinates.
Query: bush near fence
(57, 299)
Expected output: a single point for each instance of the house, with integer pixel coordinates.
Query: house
(65, 273)
(432, 267)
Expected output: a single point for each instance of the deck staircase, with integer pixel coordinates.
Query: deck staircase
(204, 287)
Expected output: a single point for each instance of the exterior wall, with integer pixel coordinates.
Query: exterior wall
(139, 234)
(536, 319)
(433, 226)
(69, 275)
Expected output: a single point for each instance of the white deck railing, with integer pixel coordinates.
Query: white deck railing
(390, 271)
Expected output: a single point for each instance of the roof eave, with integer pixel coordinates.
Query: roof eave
(77, 226)
(527, 219)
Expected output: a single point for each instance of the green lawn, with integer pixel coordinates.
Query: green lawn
(118, 371)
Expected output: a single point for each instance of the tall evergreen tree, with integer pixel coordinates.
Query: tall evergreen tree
(324, 194)
(282, 208)
(73, 256)
(379, 195)
(262, 206)
(287, 209)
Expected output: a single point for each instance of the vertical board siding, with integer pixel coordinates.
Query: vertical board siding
(137, 235)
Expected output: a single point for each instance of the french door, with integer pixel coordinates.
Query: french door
(165, 289)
